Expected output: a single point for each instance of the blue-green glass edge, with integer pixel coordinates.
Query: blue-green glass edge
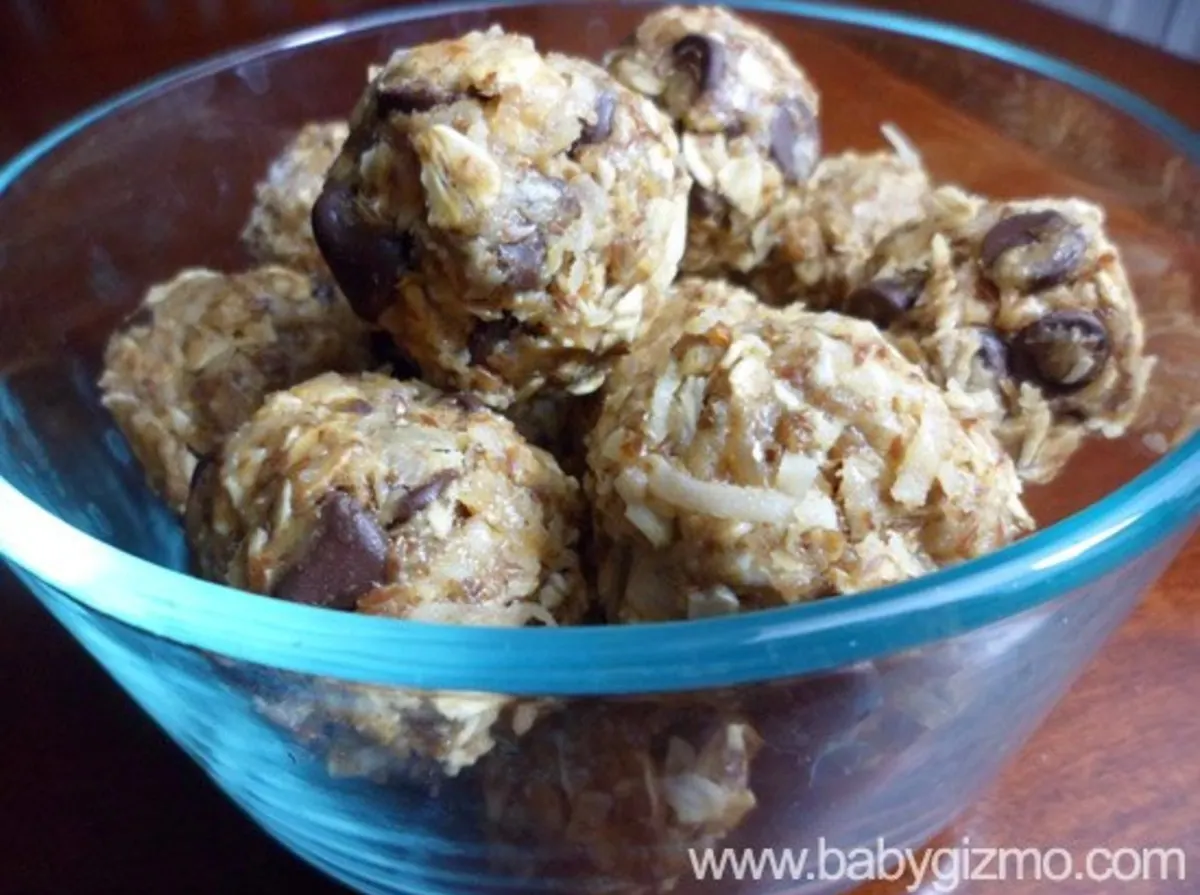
(670, 656)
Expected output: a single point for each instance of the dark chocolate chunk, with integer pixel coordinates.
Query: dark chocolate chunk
(883, 301)
(365, 258)
(1065, 350)
(795, 142)
(992, 352)
(412, 97)
(701, 58)
(1053, 247)
(599, 131)
(488, 335)
(422, 496)
(522, 262)
(345, 557)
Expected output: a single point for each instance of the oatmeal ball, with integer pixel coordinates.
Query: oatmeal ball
(621, 790)
(749, 457)
(822, 236)
(374, 495)
(747, 117)
(1024, 311)
(390, 498)
(511, 218)
(204, 350)
(280, 224)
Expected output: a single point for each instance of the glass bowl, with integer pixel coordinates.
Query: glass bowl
(617, 754)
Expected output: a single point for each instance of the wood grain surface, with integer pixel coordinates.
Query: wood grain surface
(94, 799)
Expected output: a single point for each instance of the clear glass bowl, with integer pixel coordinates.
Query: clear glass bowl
(880, 716)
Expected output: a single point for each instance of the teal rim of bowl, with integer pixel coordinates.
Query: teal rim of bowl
(1159, 504)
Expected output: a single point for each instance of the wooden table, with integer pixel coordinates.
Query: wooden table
(93, 799)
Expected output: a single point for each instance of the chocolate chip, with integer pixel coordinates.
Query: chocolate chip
(883, 301)
(1051, 247)
(365, 258)
(599, 131)
(1064, 350)
(488, 335)
(422, 496)
(701, 58)
(795, 142)
(345, 557)
(466, 401)
(412, 97)
(992, 351)
(522, 262)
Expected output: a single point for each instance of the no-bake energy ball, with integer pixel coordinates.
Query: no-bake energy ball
(1024, 311)
(621, 790)
(206, 348)
(749, 457)
(512, 218)
(280, 225)
(391, 498)
(747, 117)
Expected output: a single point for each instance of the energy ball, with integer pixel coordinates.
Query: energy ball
(750, 457)
(280, 225)
(822, 236)
(512, 218)
(206, 348)
(390, 498)
(621, 790)
(747, 117)
(1023, 310)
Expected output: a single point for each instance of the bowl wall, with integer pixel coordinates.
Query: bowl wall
(891, 747)
(881, 753)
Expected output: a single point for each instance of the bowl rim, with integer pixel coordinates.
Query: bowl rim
(1157, 508)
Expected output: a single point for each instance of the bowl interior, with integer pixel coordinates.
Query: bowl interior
(165, 180)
